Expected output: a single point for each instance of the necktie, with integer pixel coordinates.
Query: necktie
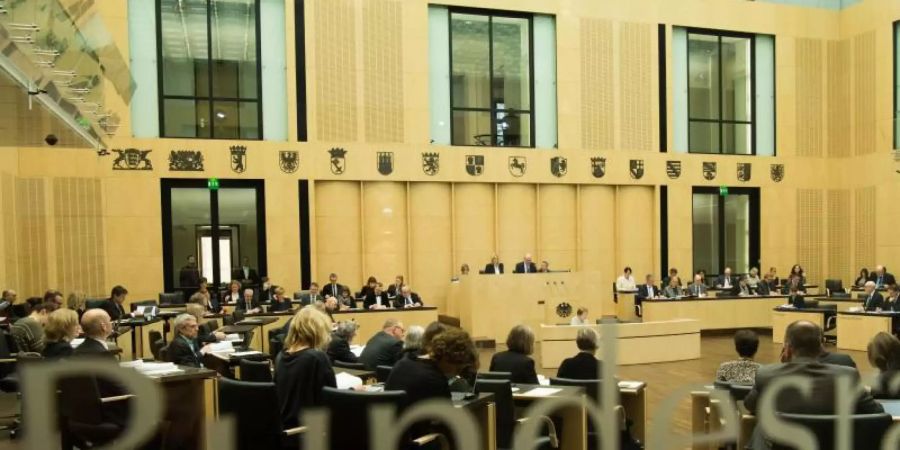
(408, 301)
(526, 266)
(378, 300)
(880, 280)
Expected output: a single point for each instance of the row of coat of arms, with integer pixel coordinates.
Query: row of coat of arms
(289, 162)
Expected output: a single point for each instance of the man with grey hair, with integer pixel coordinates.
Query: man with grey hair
(412, 343)
(384, 348)
(526, 266)
(407, 298)
(185, 349)
(247, 303)
(874, 300)
(339, 347)
(584, 365)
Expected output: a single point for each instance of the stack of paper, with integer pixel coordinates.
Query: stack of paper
(541, 392)
(221, 347)
(357, 349)
(543, 381)
(233, 337)
(630, 384)
(152, 369)
(347, 381)
(247, 353)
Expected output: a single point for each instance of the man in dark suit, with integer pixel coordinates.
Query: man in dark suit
(384, 348)
(312, 296)
(245, 273)
(333, 288)
(113, 305)
(647, 290)
(97, 328)
(247, 303)
(726, 281)
(526, 266)
(189, 276)
(697, 288)
(407, 298)
(872, 299)
(882, 278)
(799, 356)
(584, 365)
(184, 350)
(495, 267)
(377, 299)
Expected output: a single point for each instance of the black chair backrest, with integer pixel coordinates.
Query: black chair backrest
(494, 376)
(739, 391)
(353, 407)
(205, 328)
(505, 409)
(20, 310)
(868, 429)
(382, 373)
(171, 298)
(164, 353)
(220, 365)
(79, 398)
(298, 295)
(92, 303)
(255, 409)
(349, 365)
(155, 337)
(5, 368)
(238, 315)
(258, 371)
(834, 286)
(275, 346)
(156, 348)
(591, 387)
(227, 319)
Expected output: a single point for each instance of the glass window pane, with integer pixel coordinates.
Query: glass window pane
(183, 40)
(736, 76)
(703, 76)
(737, 138)
(201, 77)
(237, 213)
(225, 79)
(179, 118)
(472, 128)
(706, 232)
(248, 88)
(226, 123)
(512, 70)
(704, 137)
(249, 119)
(234, 46)
(737, 233)
(204, 125)
(470, 60)
(513, 129)
(190, 213)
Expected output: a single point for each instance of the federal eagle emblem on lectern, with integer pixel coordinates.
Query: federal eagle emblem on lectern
(564, 310)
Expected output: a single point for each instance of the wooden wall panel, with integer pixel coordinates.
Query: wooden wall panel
(430, 241)
(597, 84)
(473, 224)
(78, 223)
(864, 72)
(338, 231)
(838, 237)
(32, 235)
(838, 124)
(865, 215)
(636, 85)
(336, 70)
(384, 223)
(597, 224)
(9, 229)
(636, 218)
(383, 70)
(557, 242)
(516, 223)
(810, 208)
(810, 100)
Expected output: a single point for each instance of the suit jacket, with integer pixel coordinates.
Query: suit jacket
(696, 289)
(58, 349)
(309, 299)
(489, 269)
(238, 274)
(393, 290)
(381, 350)
(887, 279)
(875, 300)
(92, 347)
(672, 292)
(346, 301)
(242, 304)
(797, 301)
(891, 304)
(520, 366)
(520, 267)
(189, 277)
(762, 288)
(400, 302)
(822, 398)
(583, 366)
(284, 305)
(720, 281)
(227, 298)
(114, 309)
(837, 359)
(181, 353)
(332, 291)
(643, 293)
(339, 350)
(371, 300)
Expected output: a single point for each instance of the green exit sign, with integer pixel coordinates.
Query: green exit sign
(213, 184)
(723, 190)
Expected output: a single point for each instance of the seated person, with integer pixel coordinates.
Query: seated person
(302, 369)
(463, 270)
(185, 349)
(412, 342)
(673, 288)
(673, 272)
(407, 298)
(863, 277)
(312, 295)
(279, 301)
(384, 348)
(545, 267)
(204, 335)
(341, 338)
(369, 287)
(743, 370)
(28, 332)
(743, 288)
(725, 281)
(697, 288)
(516, 359)
(495, 267)
(584, 365)
(345, 300)
(753, 279)
(882, 278)
(377, 299)
(113, 305)
(526, 265)
(234, 293)
(892, 302)
(581, 316)
(97, 327)
(394, 289)
(427, 376)
(62, 326)
(647, 290)
(873, 301)
(626, 282)
(203, 297)
(247, 303)
(763, 287)
(333, 288)
(884, 354)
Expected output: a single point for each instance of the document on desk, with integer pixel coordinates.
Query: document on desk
(357, 349)
(347, 381)
(152, 369)
(221, 347)
(233, 337)
(247, 353)
(541, 392)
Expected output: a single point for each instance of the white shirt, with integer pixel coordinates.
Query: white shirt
(727, 282)
(625, 284)
(577, 321)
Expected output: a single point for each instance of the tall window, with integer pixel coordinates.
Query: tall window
(491, 82)
(721, 98)
(897, 85)
(726, 229)
(209, 71)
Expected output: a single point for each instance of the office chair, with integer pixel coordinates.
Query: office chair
(348, 365)
(93, 303)
(83, 421)
(353, 407)
(493, 376)
(505, 412)
(257, 415)
(257, 371)
(156, 342)
(868, 429)
(171, 298)
(382, 373)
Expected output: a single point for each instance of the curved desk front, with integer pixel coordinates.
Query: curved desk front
(715, 313)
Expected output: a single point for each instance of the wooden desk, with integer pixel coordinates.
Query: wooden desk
(141, 342)
(488, 306)
(625, 306)
(638, 343)
(264, 322)
(191, 399)
(371, 321)
(634, 400)
(782, 317)
(855, 330)
(122, 340)
(715, 313)
(484, 410)
(573, 435)
(842, 304)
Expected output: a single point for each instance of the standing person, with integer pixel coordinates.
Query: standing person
(245, 273)
(189, 275)
(797, 277)
(882, 278)
(742, 370)
(62, 326)
(517, 358)
(626, 282)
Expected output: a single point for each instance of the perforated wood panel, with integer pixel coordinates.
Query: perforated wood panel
(810, 102)
(864, 92)
(8, 228)
(596, 84)
(838, 123)
(810, 217)
(31, 235)
(383, 70)
(336, 96)
(636, 85)
(838, 244)
(78, 229)
(864, 234)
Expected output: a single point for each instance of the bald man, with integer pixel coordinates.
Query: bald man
(882, 278)
(526, 266)
(97, 327)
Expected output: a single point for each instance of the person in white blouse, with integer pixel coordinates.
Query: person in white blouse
(625, 282)
(234, 293)
(580, 317)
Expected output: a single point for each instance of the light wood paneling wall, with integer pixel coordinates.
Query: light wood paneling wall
(473, 223)
(79, 233)
(636, 216)
(557, 228)
(431, 241)
(338, 231)
(596, 229)
(516, 222)
(384, 222)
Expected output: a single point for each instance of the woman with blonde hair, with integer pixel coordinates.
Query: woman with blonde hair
(884, 354)
(76, 302)
(62, 326)
(302, 369)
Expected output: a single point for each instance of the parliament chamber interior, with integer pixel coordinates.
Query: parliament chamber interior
(449, 224)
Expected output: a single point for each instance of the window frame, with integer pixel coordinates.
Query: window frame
(491, 13)
(896, 116)
(754, 225)
(211, 99)
(721, 122)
